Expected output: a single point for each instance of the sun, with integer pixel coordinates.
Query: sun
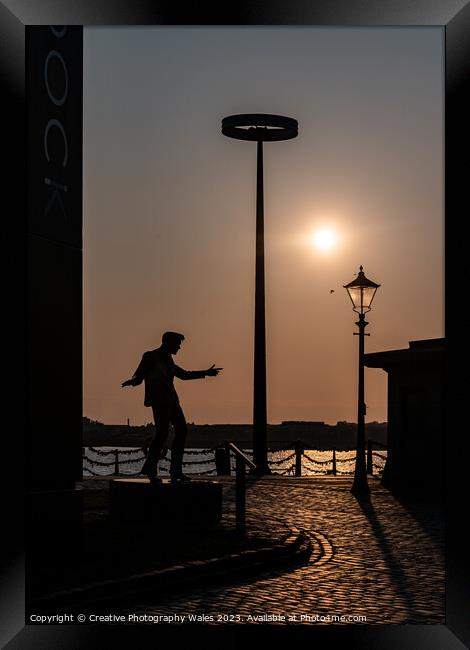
(324, 239)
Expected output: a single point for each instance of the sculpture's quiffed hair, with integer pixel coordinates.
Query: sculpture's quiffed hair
(168, 337)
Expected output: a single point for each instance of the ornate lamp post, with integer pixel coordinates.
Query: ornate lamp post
(361, 291)
(260, 128)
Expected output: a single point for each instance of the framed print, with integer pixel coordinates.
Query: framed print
(105, 193)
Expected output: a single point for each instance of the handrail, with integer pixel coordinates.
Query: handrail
(240, 485)
(238, 453)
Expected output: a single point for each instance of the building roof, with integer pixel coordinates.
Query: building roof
(424, 351)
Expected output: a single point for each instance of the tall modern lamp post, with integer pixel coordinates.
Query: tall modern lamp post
(361, 291)
(260, 128)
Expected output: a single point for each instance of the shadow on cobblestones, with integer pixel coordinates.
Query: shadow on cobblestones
(371, 559)
(397, 574)
(428, 511)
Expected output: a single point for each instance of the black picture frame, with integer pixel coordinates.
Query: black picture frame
(454, 18)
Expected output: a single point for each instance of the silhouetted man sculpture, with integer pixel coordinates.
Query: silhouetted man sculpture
(157, 369)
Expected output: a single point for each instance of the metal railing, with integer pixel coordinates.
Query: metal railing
(241, 461)
(217, 460)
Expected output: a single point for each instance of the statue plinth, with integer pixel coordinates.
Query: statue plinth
(179, 505)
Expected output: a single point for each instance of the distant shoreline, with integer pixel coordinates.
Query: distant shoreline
(316, 435)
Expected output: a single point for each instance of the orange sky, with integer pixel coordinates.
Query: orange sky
(169, 211)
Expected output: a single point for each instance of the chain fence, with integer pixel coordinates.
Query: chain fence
(301, 461)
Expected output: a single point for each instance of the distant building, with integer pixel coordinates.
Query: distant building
(415, 415)
(302, 424)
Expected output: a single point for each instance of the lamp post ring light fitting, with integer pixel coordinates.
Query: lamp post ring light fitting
(260, 126)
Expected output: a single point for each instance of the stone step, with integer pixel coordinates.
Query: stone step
(160, 584)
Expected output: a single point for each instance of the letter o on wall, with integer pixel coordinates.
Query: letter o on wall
(58, 32)
(58, 101)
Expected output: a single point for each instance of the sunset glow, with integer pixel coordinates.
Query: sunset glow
(170, 211)
(324, 239)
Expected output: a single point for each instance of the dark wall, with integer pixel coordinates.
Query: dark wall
(54, 82)
(416, 425)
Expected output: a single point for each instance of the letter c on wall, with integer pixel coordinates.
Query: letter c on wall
(58, 125)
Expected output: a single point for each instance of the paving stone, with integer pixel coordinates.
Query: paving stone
(376, 559)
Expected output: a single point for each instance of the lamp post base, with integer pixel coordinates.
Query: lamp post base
(360, 489)
(261, 471)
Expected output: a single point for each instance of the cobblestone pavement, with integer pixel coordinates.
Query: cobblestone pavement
(374, 560)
